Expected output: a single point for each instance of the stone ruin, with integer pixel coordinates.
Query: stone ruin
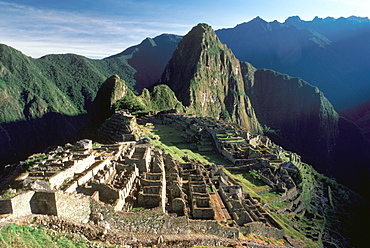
(247, 152)
(129, 174)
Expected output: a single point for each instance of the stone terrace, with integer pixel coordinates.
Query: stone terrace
(133, 174)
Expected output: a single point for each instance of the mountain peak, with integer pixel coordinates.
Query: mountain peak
(292, 20)
(149, 42)
(206, 77)
(258, 20)
(200, 29)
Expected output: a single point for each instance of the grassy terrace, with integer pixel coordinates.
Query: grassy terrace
(27, 236)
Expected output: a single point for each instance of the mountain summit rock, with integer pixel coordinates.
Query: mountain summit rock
(206, 77)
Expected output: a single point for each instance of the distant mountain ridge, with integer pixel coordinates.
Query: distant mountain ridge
(336, 50)
(149, 58)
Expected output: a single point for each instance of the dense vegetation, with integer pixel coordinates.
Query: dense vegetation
(161, 98)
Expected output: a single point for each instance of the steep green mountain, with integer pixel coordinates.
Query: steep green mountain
(337, 50)
(65, 86)
(206, 77)
(65, 83)
(149, 58)
(160, 98)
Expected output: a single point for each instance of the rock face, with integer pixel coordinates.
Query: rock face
(206, 77)
(297, 109)
(112, 90)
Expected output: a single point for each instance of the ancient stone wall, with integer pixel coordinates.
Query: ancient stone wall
(78, 166)
(141, 156)
(58, 203)
(87, 175)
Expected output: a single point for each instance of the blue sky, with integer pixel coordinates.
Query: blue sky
(97, 29)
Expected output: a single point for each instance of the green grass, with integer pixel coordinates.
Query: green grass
(168, 135)
(178, 151)
(245, 184)
(252, 186)
(34, 237)
(268, 197)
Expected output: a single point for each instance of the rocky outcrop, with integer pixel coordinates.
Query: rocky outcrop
(206, 77)
(112, 90)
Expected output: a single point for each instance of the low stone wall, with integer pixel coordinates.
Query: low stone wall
(71, 206)
(44, 202)
(78, 167)
(290, 194)
(21, 204)
(91, 172)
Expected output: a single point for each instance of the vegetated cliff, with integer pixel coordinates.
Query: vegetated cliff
(337, 50)
(149, 58)
(206, 77)
(303, 120)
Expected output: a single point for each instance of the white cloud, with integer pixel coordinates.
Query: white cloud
(37, 31)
